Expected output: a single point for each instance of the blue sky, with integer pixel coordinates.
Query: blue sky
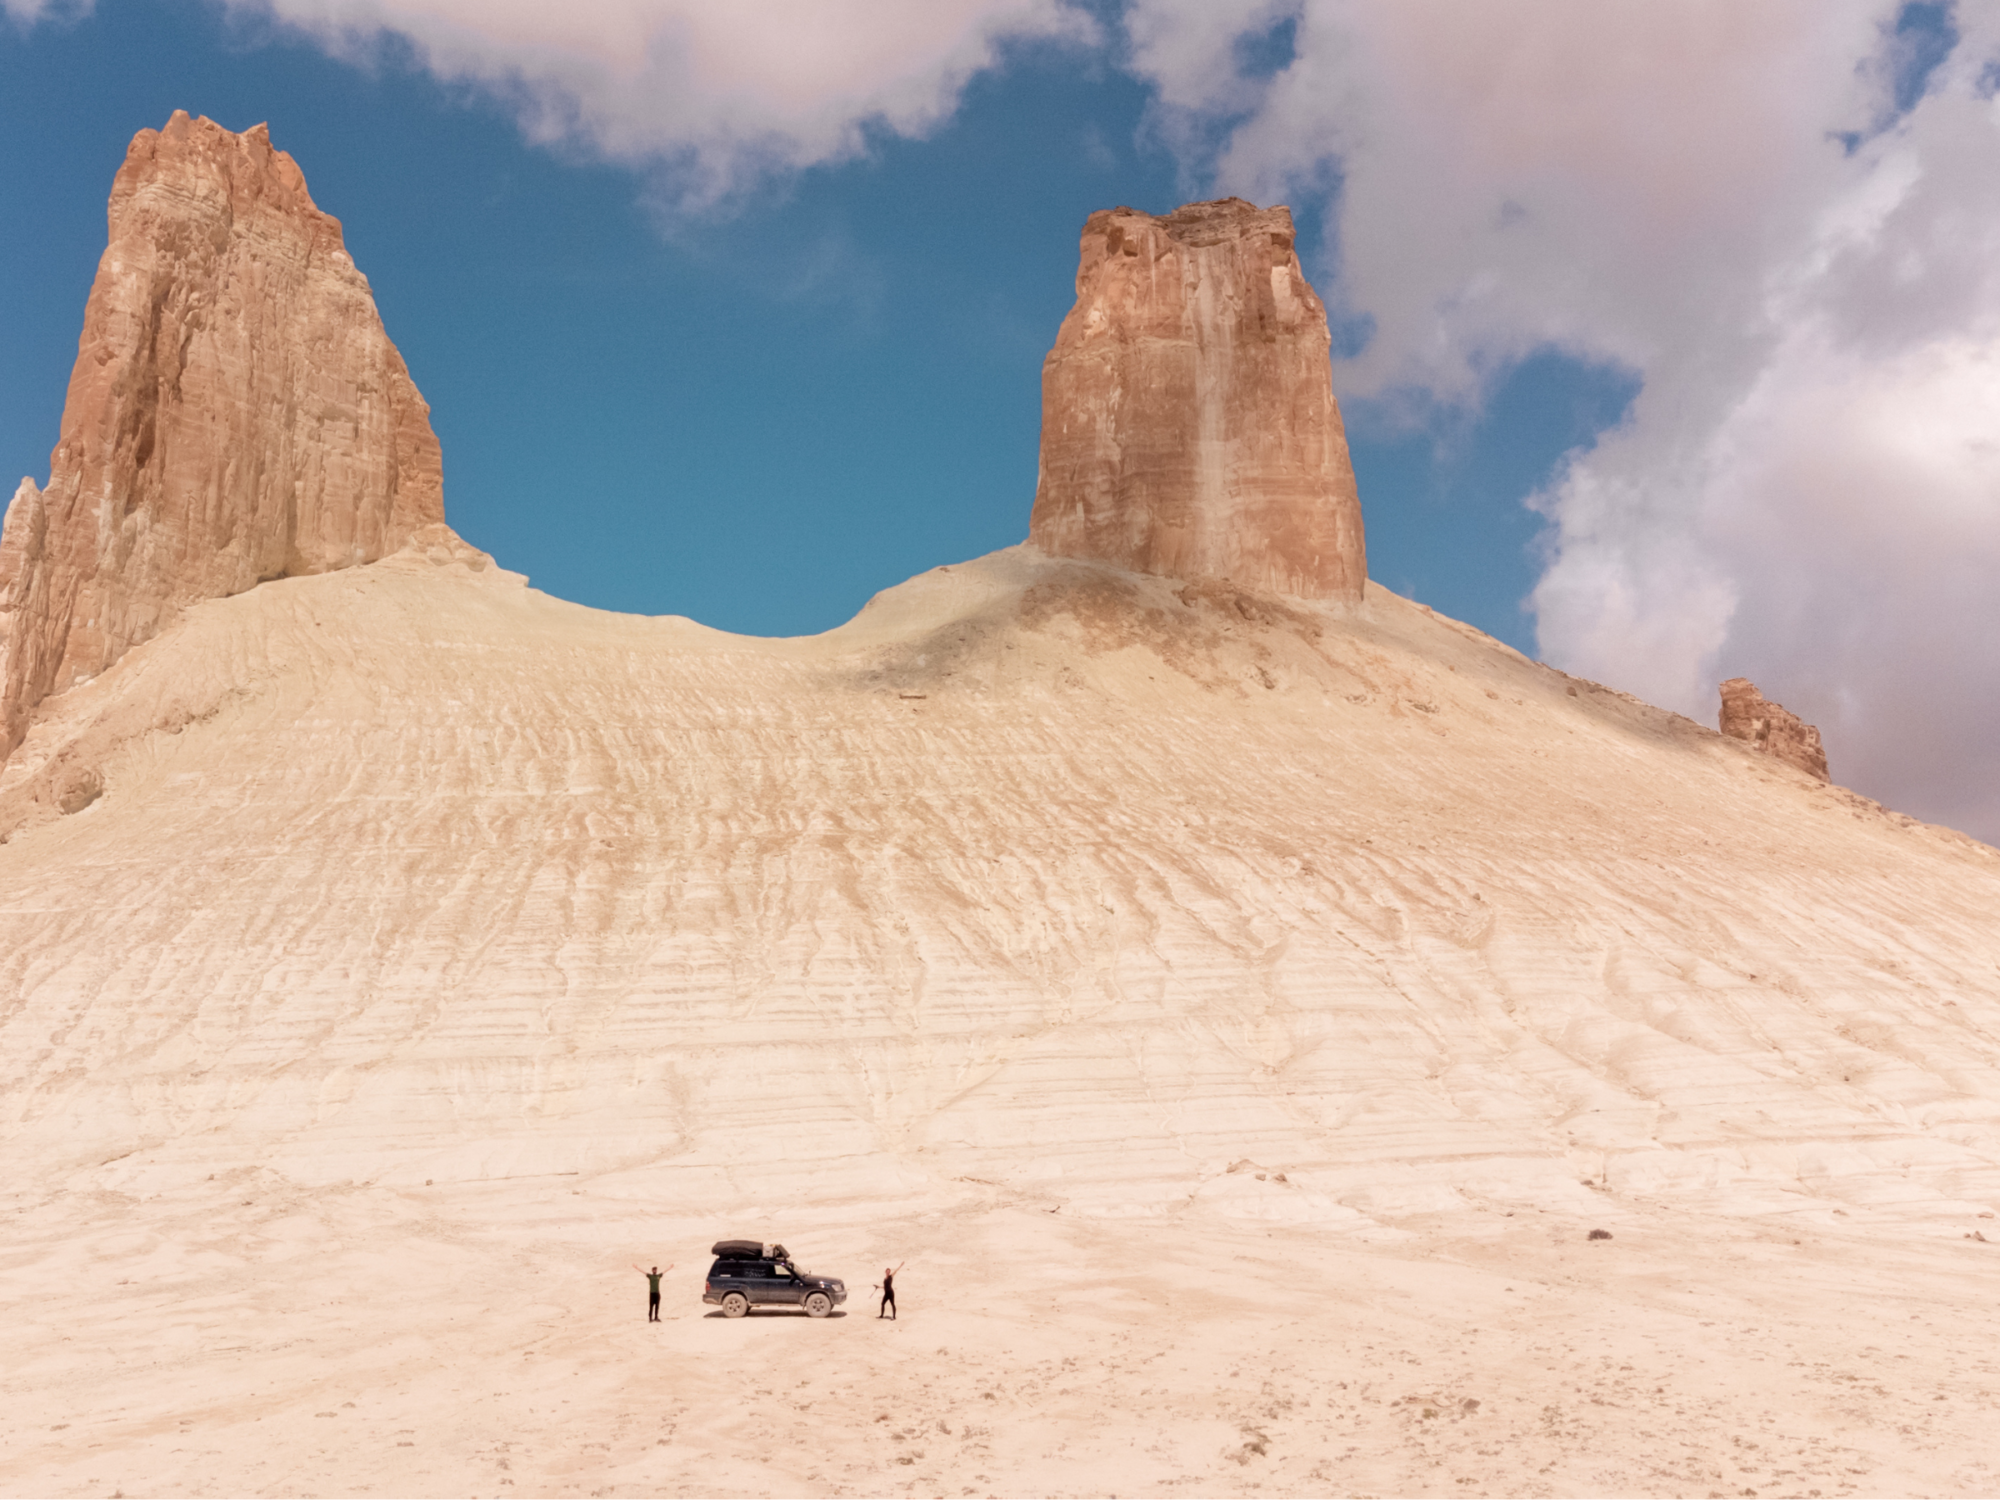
(757, 417)
(1668, 336)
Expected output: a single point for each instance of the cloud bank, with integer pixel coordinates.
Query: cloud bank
(28, 11)
(1785, 219)
(713, 97)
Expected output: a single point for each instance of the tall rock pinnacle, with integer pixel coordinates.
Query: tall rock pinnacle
(1188, 421)
(1749, 716)
(236, 414)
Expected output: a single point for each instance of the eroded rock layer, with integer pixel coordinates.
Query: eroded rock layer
(1189, 427)
(1749, 716)
(1038, 873)
(236, 414)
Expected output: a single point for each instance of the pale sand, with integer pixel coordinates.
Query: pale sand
(492, 1340)
(627, 935)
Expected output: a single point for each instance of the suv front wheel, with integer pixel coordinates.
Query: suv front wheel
(818, 1304)
(735, 1305)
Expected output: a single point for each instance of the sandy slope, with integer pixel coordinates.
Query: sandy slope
(420, 950)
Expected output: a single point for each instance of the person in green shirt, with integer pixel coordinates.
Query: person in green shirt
(652, 1291)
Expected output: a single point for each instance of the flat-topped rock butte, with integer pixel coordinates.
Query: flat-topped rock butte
(1189, 426)
(1237, 1003)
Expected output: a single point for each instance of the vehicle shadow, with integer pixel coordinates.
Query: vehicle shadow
(779, 1312)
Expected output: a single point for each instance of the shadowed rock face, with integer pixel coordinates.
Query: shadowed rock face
(1748, 716)
(236, 414)
(1188, 421)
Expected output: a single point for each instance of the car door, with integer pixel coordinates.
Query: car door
(756, 1283)
(786, 1287)
(727, 1277)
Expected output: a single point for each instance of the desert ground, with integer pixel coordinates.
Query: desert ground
(1238, 1015)
(258, 1336)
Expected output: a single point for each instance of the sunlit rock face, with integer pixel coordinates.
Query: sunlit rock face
(1749, 716)
(236, 414)
(1188, 421)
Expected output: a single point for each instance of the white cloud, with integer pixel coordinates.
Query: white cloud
(720, 94)
(1833, 462)
(1541, 170)
(27, 11)
(1807, 489)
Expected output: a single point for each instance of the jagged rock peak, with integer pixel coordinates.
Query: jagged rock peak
(1749, 716)
(1189, 427)
(236, 414)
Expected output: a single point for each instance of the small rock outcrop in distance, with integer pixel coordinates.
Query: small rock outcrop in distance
(1749, 716)
(1189, 427)
(236, 414)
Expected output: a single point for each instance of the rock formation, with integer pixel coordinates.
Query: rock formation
(236, 414)
(1188, 421)
(1210, 966)
(1749, 716)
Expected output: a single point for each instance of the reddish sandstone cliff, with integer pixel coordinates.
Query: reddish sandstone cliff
(1749, 716)
(1188, 421)
(236, 414)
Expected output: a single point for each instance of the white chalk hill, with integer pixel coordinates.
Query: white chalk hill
(1081, 883)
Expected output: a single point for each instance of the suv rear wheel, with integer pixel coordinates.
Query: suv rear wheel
(735, 1305)
(818, 1304)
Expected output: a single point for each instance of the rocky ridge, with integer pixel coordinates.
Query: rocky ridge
(236, 414)
(1189, 427)
(1771, 728)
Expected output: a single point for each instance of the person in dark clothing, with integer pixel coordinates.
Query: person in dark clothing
(888, 1309)
(653, 1292)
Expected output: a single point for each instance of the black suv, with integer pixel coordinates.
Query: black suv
(748, 1274)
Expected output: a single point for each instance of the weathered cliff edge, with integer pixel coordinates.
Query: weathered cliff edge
(1189, 427)
(236, 414)
(1749, 716)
